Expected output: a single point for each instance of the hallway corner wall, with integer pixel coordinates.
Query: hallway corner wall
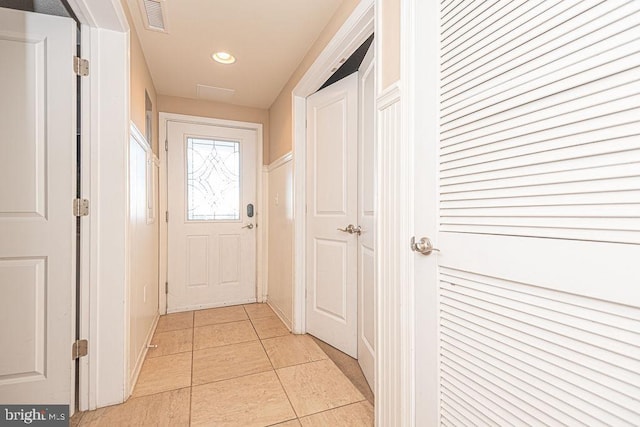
(280, 120)
(280, 230)
(143, 226)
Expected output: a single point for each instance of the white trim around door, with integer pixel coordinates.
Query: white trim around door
(355, 31)
(165, 119)
(103, 278)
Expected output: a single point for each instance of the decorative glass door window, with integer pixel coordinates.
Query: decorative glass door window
(213, 180)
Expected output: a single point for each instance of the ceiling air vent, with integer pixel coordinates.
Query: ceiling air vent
(154, 15)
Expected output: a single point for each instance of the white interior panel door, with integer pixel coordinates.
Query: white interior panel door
(212, 237)
(366, 218)
(539, 214)
(332, 265)
(37, 187)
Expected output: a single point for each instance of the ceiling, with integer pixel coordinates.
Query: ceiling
(269, 38)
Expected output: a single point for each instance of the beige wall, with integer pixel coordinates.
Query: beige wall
(143, 234)
(218, 110)
(390, 52)
(280, 111)
(140, 80)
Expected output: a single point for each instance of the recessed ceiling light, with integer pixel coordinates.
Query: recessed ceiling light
(224, 58)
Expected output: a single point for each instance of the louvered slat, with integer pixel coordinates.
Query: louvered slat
(539, 138)
(579, 361)
(534, 153)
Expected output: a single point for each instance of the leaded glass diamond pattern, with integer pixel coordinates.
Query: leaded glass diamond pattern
(213, 180)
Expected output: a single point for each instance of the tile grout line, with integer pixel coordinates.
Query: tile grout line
(286, 394)
(273, 368)
(146, 395)
(275, 372)
(220, 323)
(226, 345)
(337, 407)
(229, 379)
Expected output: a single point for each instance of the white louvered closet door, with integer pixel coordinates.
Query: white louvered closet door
(539, 218)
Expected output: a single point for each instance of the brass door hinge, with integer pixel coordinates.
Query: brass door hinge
(79, 348)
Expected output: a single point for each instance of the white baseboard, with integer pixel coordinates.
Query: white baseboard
(142, 356)
(287, 322)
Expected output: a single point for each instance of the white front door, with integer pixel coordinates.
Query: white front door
(530, 314)
(366, 218)
(332, 185)
(212, 216)
(37, 226)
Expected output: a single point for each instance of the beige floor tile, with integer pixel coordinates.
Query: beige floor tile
(173, 321)
(219, 315)
(165, 409)
(292, 350)
(349, 366)
(223, 334)
(256, 311)
(171, 342)
(229, 361)
(292, 423)
(164, 373)
(254, 400)
(317, 386)
(269, 327)
(355, 415)
(76, 419)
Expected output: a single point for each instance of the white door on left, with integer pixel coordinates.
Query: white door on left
(212, 216)
(37, 226)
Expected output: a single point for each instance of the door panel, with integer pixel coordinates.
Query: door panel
(366, 218)
(537, 297)
(37, 172)
(332, 129)
(212, 179)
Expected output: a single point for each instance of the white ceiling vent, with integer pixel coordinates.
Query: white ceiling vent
(213, 93)
(154, 15)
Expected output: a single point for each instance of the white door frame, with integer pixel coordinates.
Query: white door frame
(420, 120)
(103, 269)
(260, 218)
(355, 31)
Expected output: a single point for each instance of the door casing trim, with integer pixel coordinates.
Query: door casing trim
(355, 31)
(261, 224)
(103, 375)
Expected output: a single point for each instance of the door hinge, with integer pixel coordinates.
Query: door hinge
(166, 288)
(166, 145)
(80, 66)
(166, 216)
(79, 348)
(80, 207)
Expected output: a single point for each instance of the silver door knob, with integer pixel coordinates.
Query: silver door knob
(249, 226)
(348, 229)
(351, 229)
(423, 246)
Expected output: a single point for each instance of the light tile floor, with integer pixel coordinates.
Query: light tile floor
(239, 366)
